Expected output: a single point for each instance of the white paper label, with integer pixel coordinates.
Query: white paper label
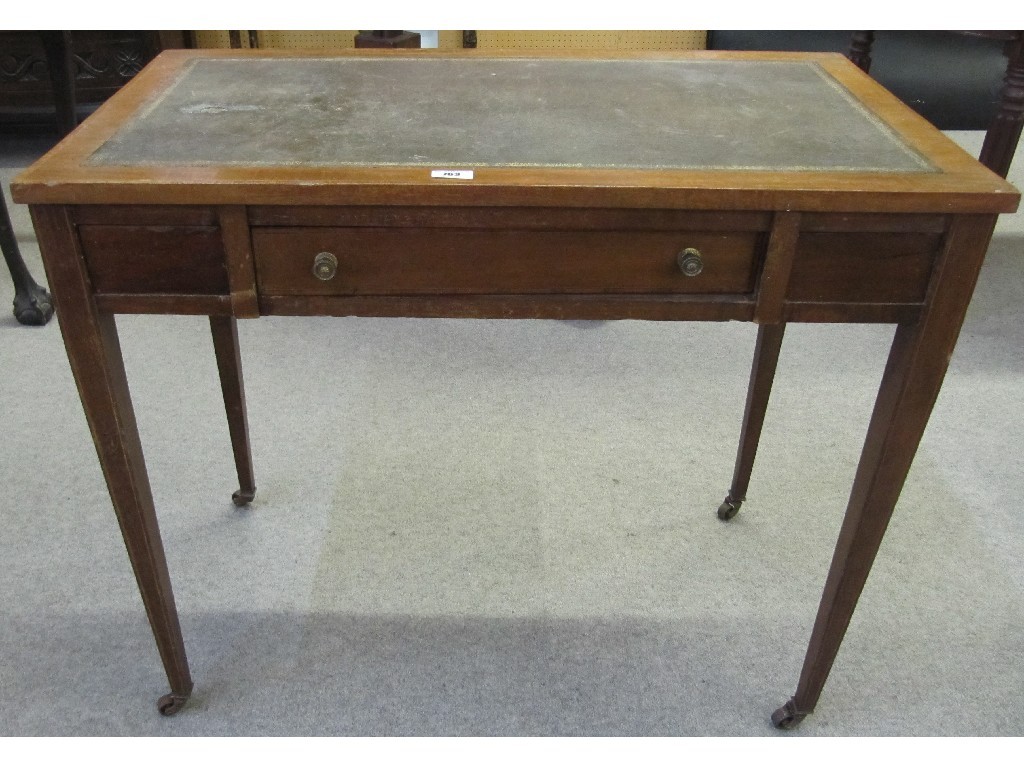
(451, 174)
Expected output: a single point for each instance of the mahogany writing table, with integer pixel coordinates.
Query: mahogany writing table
(770, 188)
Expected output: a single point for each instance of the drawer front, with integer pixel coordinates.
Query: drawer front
(404, 261)
(154, 260)
(870, 267)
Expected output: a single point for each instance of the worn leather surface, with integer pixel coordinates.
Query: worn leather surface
(512, 112)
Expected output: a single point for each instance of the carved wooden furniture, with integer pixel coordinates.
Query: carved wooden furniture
(766, 188)
(1003, 134)
(52, 66)
(43, 70)
(32, 302)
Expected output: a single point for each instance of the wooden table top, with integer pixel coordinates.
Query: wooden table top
(689, 129)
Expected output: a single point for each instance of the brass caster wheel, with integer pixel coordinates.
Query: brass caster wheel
(787, 717)
(729, 508)
(171, 704)
(242, 498)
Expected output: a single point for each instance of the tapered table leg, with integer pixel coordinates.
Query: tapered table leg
(910, 385)
(94, 352)
(762, 374)
(225, 346)
(32, 302)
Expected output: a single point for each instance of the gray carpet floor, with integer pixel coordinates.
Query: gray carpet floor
(508, 527)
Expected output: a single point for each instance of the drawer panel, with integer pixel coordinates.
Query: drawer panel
(872, 267)
(154, 260)
(404, 261)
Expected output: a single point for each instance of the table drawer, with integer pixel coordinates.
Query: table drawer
(154, 259)
(409, 260)
(863, 267)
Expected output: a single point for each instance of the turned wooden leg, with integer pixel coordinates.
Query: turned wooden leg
(225, 346)
(32, 303)
(860, 49)
(910, 385)
(60, 61)
(1004, 132)
(94, 352)
(762, 374)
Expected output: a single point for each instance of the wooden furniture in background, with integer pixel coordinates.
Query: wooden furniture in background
(844, 207)
(628, 39)
(32, 302)
(61, 70)
(1003, 135)
(951, 79)
(235, 39)
(44, 72)
(387, 38)
(623, 39)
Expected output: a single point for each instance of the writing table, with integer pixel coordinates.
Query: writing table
(768, 188)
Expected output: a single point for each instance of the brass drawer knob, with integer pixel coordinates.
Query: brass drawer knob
(325, 266)
(690, 262)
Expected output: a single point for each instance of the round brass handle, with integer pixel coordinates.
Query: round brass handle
(325, 266)
(690, 262)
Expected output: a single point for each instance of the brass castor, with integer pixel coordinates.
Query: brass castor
(242, 498)
(171, 703)
(787, 717)
(729, 508)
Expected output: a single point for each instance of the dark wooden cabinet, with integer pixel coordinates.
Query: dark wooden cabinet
(102, 62)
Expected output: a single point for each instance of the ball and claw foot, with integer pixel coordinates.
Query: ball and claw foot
(34, 307)
(242, 498)
(787, 717)
(729, 508)
(171, 704)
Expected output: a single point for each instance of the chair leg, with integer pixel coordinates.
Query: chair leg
(860, 49)
(32, 302)
(1004, 132)
(762, 374)
(62, 75)
(224, 331)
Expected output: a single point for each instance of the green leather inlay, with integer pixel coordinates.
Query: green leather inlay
(465, 113)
